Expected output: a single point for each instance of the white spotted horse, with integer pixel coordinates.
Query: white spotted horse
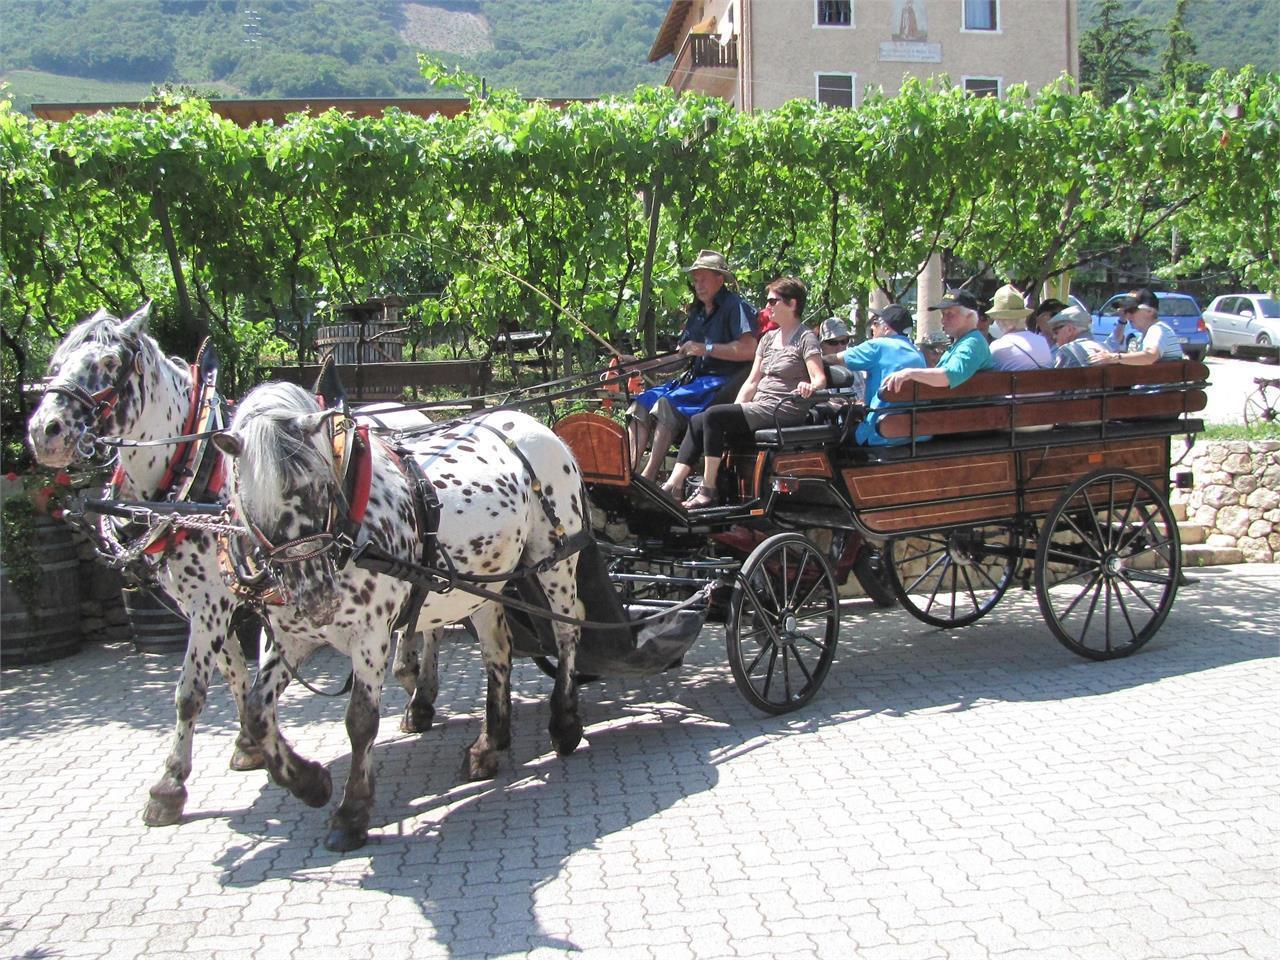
(313, 492)
(110, 379)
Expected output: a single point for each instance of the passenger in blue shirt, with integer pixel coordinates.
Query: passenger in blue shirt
(888, 351)
(967, 354)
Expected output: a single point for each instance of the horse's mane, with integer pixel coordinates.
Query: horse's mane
(101, 329)
(266, 423)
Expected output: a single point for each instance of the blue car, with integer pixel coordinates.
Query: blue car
(1178, 310)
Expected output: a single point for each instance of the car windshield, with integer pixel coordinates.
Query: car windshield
(1178, 307)
(1269, 307)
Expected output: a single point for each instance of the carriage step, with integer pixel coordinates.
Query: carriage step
(1200, 555)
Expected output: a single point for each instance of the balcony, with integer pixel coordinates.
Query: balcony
(706, 65)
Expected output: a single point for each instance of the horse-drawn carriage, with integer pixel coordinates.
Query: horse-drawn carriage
(1055, 478)
(341, 528)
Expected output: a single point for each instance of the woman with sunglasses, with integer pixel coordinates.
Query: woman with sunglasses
(787, 369)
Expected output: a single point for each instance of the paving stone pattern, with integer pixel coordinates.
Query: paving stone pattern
(951, 794)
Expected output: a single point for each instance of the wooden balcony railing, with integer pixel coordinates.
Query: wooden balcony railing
(707, 52)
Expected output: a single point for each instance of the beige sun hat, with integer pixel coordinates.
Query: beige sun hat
(710, 260)
(1007, 304)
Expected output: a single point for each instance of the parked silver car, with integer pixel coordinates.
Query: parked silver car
(1243, 318)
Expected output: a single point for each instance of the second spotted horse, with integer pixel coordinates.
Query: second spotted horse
(490, 499)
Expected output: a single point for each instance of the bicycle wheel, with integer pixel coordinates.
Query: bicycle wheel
(1263, 405)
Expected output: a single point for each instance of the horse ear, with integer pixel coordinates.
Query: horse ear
(227, 443)
(136, 323)
(312, 422)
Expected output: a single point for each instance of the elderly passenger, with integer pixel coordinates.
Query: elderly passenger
(1073, 347)
(1159, 342)
(1017, 348)
(967, 354)
(787, 369)
(720, 334)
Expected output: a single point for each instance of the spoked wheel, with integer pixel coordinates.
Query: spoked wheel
(1263, 405)
(784, 620)
(1108, 564)
(954, 577)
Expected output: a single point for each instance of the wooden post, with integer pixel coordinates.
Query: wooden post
(648, 321)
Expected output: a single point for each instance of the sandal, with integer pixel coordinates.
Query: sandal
(705, 497)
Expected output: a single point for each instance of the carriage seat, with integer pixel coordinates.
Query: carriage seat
(830, 419)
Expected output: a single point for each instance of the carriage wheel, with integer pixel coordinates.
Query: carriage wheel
(1108, 564)
(953, 577)
(1263, 405)
(784, 620)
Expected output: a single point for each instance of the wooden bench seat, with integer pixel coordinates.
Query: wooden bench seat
(1009, 406)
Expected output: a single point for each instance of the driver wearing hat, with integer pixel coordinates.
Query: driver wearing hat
(720, 336)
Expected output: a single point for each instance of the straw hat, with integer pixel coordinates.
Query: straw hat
(1007, 304)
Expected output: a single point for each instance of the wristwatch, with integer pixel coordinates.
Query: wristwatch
(708, 345)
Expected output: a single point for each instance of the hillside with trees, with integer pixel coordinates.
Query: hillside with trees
(290, 48)
(1226, 33)
(111, 49)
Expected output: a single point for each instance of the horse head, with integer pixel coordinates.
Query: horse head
(285, 491)
(96, 387)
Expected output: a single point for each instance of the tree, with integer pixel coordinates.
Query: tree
(1178, 66)
(1111, 53)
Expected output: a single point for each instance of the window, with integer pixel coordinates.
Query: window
(982, 15)
(835, 89)
(835, 13)
(982, 86)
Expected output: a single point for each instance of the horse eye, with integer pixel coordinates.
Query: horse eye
(111, 363)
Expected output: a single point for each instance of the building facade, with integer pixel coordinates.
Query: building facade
(758, 54)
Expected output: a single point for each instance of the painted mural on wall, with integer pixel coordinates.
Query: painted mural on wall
(910, 21)
(909, 30)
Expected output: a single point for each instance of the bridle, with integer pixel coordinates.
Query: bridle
(100, 405)
(255, 573)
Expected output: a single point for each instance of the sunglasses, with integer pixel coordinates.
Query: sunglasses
(772, 300)
(840, 342)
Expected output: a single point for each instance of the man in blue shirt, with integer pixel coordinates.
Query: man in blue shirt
(888, 351)
(720, 334)
(967, 354)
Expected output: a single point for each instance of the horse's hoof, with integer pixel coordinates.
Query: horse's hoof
(343, 839)
(164, 809)
(313, 786)
(481, 766)
(248, 758)
(417, 720)
(565, 737)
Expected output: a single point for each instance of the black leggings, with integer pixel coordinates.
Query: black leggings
(708, 430)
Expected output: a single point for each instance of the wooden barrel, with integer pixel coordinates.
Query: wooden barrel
(380, 341)
(156, 628)
(52, 629)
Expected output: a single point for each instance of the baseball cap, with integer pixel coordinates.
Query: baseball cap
(894, 315)
(958, 298)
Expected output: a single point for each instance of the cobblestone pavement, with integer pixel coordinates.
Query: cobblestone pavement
(968, 794)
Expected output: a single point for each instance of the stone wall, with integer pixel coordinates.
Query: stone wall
(1236, 496)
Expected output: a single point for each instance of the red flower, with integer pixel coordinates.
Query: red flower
(62, 478)
(11, 475)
